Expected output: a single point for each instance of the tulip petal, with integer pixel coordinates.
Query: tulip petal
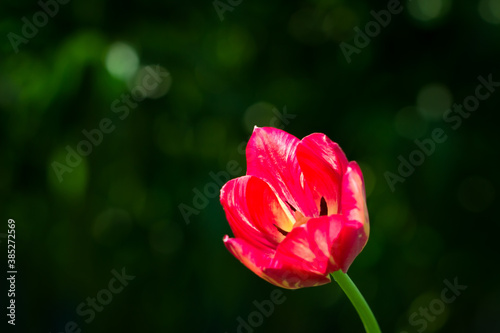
(323, 245)
(323, 163)
(353, 201)
(271, 156)
(350, 243)
(267, 212)
(233, 200)
(258, 261)
(293, 277)
(252, 257)
(310, 245)
(254, 211)
(304, 258)
(353, 208)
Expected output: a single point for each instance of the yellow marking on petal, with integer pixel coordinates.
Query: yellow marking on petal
(290, 219)
(332, 261)
(299, 219)
(333, 207)
(303, 251)
(320, 239)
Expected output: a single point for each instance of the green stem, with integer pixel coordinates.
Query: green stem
(363, 309)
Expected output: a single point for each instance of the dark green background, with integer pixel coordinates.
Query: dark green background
(120, 206)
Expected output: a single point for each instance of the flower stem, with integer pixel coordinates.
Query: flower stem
(363, 309)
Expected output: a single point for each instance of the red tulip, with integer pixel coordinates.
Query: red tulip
(300, 212)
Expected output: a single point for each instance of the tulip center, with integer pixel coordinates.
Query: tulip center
(323, 208)
(300, 219)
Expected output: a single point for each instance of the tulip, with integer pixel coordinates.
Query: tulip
(299, 214)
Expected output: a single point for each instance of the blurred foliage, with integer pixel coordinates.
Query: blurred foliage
(119, 205)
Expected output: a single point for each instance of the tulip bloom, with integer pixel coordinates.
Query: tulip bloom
(299, 213)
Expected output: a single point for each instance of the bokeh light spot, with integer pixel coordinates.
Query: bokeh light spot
(260, 114)
(428, 301)
(489, 10)
(122, 61)
(152, 81)
(234, 47)
(428, 10)
(433, 100)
